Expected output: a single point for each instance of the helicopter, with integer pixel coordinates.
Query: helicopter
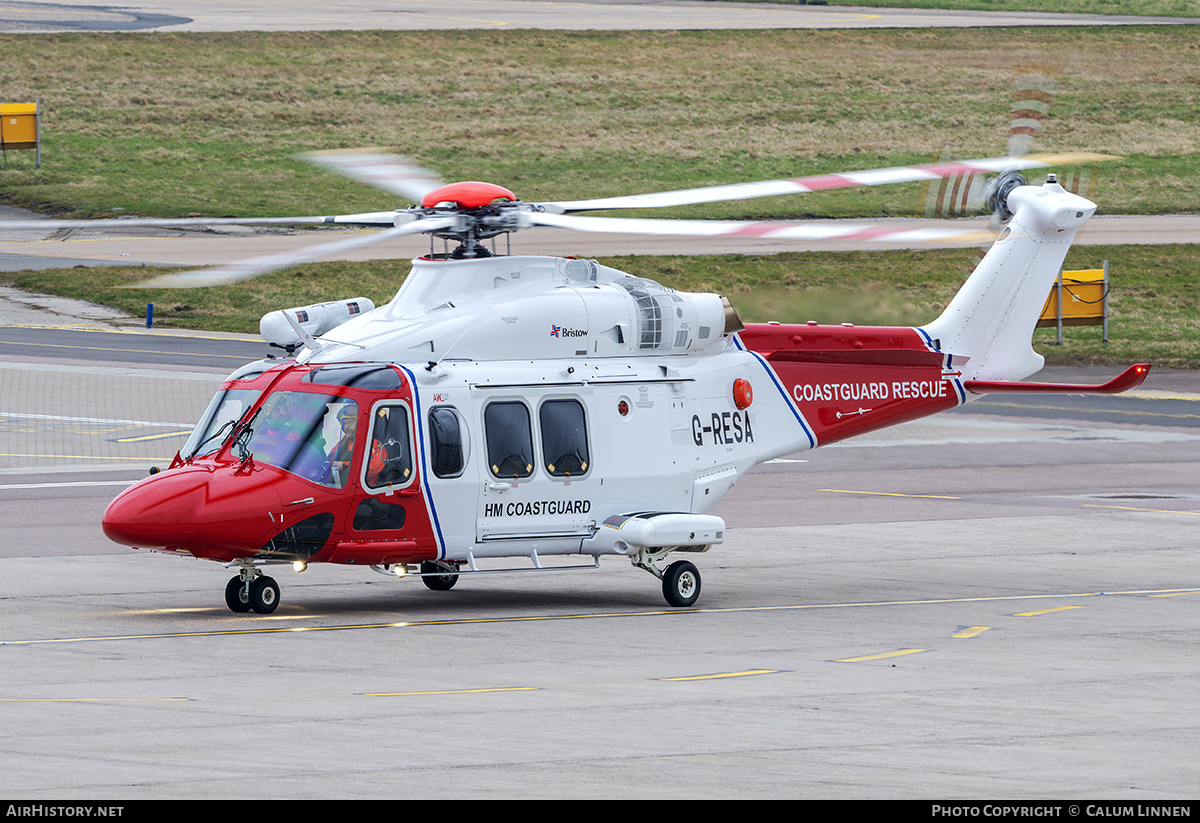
(507, 408)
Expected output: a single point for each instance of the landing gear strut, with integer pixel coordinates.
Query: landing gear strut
(680, 580)
(251, 590)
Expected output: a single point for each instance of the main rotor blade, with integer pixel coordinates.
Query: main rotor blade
(867, 232)
(246, 269)
(376, 218)
(821, 182)
(398, 175)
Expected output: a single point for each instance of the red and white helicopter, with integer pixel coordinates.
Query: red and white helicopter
(505, 406)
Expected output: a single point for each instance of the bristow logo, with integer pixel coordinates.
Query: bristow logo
(560, 332)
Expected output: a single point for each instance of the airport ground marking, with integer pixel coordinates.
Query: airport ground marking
(66, 484)
(972, 631)
(107, 421)
(894, 494)
(883, 656)
(236, 357)
(1040, 612)
(718, 676)
(1094, 412)
(454, 691)
(1139, 509)
(153, 437)
(95, 699)
(125, 459)
(672, 613)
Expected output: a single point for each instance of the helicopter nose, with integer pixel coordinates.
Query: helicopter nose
(158, 512)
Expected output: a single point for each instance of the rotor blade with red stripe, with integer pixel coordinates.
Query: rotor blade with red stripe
(967, 235)
(374, 218)
(821, 182)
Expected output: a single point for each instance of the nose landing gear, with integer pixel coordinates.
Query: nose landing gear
(251, 590)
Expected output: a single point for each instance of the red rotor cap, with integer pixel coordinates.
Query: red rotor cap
(467, 195)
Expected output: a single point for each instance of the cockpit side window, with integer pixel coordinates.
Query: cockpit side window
(509, 439)
(389, 461)
(447, 444)
(564, 438)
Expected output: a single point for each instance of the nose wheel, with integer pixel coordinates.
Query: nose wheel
(252, 591)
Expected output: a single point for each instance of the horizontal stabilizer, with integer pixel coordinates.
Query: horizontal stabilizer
(1131, 378)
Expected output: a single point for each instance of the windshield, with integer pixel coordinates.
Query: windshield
(225, 409)
(311, 435)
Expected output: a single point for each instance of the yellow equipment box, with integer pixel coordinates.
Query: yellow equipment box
(1079, 298)
(20, 127)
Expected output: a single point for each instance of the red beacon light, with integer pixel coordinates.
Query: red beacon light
(466, 195)
(743, 395)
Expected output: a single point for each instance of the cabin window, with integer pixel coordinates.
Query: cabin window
(447, 450)
(564, 438)
(311, 435)
(509, 440)
(389, 461)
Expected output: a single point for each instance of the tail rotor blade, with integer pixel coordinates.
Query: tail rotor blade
(1032, 96)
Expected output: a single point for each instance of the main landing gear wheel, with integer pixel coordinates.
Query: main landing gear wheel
(264, 595)
(681, 583)
(237, 598)
(433, 580)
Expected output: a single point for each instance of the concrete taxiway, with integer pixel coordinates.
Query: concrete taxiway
(277, 15)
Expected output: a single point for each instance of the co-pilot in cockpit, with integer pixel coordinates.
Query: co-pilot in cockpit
(311, 435)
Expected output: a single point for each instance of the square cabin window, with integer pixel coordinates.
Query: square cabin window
(509, 440)
(564, 438)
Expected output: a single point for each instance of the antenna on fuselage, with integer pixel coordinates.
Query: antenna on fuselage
(307, 339)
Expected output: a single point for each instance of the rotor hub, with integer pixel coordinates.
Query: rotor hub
(469, 194)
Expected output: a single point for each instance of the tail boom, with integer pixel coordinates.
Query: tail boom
(849, 380)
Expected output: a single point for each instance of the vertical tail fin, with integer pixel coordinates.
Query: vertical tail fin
(992, 318)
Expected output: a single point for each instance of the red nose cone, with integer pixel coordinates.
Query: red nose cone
(467, 195)
(216, 512)
(159, 512)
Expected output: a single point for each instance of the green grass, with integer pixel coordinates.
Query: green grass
(1153, 302)
(210, 123)
(1141, 8)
